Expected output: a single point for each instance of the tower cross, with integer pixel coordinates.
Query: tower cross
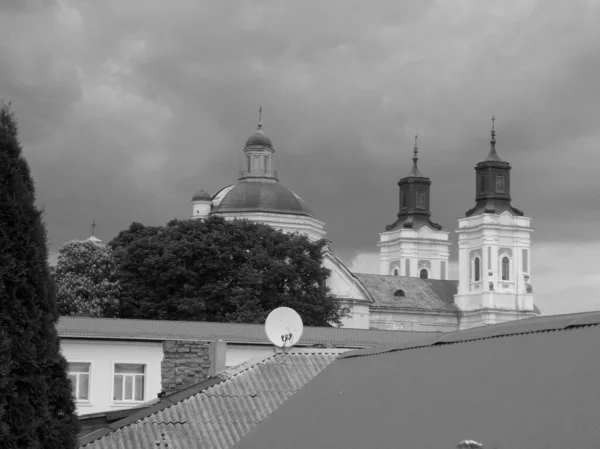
(493, 120)
(93, 226)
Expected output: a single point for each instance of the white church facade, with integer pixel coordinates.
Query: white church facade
(412, 290)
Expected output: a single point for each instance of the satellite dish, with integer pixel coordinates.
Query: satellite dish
(284, 327)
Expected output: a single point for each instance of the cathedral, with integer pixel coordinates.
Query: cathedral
(412, 290)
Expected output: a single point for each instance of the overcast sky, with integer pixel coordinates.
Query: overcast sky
(127, 107)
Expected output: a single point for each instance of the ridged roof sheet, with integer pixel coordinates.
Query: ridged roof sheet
(419, 294)
(220, 415)
(530, 383)
(161, 330)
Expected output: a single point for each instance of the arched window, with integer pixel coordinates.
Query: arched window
(505, 269)
(423, 274)
(395, 272)
(476, 269)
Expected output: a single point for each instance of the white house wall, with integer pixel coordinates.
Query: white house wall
(102, 355)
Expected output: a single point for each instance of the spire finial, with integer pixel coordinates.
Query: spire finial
(493, 133)
(416, 149)
(93, 227)
(260, 117)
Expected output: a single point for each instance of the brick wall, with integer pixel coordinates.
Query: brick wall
(184, 364)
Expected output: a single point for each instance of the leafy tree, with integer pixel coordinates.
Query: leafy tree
(85, 276)
(218, 270)
(36, 404)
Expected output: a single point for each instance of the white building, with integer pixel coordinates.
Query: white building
(494, 242)
(414, 245)
(117, 364)
(412, 290)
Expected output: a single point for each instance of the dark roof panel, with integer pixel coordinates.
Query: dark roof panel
(527, 384)
(262, 196)
(160, 330)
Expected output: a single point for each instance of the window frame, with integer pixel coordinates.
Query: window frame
(124, 401)
(403, 200)
(76, 386)
(482, 183)
(502, 266)
(476, 269)
(500, 178)
(421, 199)
(395, 271)
(426, 273)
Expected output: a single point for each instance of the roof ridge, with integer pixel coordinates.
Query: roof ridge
(508, 329)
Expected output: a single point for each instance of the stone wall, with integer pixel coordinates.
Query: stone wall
(184, 364)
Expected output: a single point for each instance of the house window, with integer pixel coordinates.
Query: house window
(129, 382)
(407, 267)
(248, 162)
(505, 268)
(499, 184)
(423, 274)
(481, 184)
(403, 200)
(476, 269)
(420, 199)
(79, 374)
(395, 272)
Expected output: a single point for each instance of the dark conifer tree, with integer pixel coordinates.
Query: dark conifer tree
(36, 404)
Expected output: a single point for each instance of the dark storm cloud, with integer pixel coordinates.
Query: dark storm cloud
(128, 107)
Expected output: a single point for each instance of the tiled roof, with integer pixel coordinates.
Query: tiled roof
(216, 416)
(420, 294)
(529, 384)
(159, 330)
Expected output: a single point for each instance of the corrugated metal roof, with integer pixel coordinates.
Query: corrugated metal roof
(159, 330)
(419, 294)
(220, 415)
(527, 384)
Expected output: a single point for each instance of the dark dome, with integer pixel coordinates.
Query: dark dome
(258, 196)
(201, 195)
(258, 139)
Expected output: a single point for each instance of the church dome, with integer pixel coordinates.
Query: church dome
(253, 196)
(258, 139)
(201, 195)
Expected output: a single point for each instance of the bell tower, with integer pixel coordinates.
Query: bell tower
(414, 245)
(494, 257)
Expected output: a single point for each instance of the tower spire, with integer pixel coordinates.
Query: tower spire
(93, 227)
(493, 156)
(259, 127)
(416, 150)
(415, 172)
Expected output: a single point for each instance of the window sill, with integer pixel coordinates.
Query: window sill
(84, 404)
(126, 403)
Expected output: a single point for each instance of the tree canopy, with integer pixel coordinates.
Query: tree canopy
(86, 279)
(218, 270)
(36, 404)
